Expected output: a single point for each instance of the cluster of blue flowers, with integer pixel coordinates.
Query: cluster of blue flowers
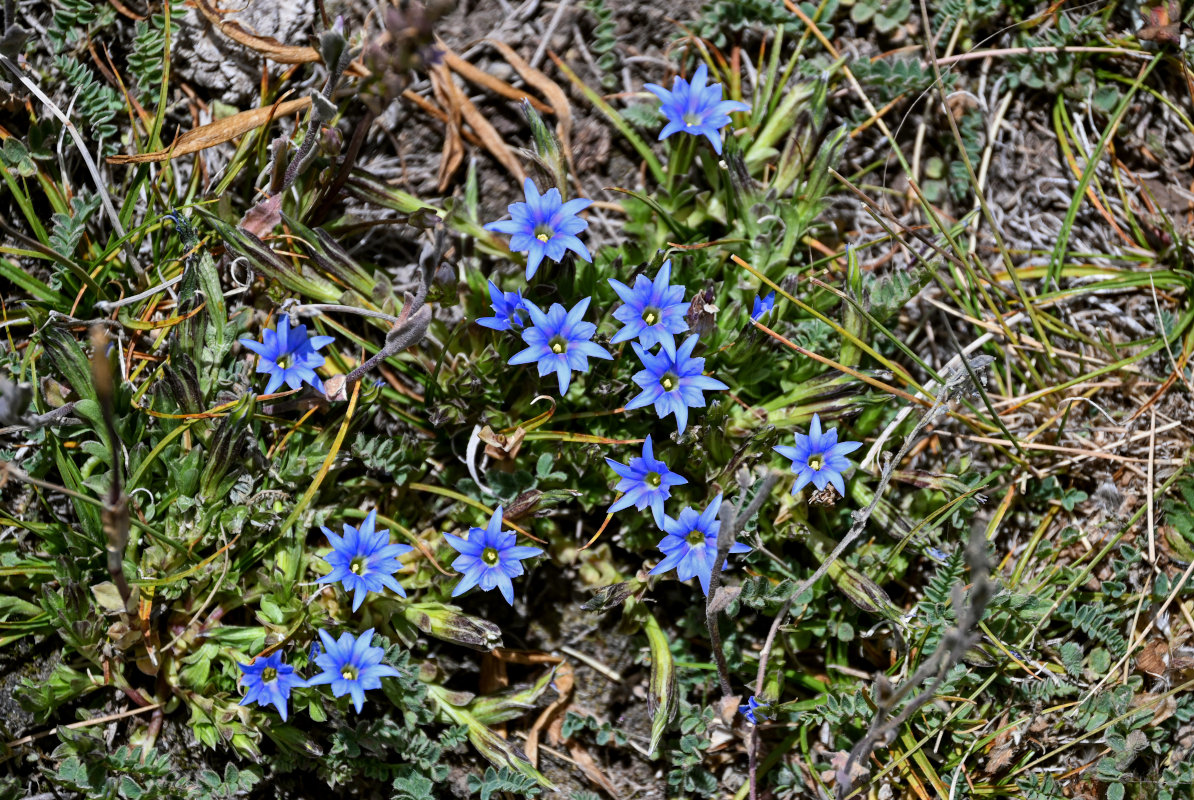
(652, 312)
(559, 341)
(363, 560)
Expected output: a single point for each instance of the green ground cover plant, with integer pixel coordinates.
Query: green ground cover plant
(773, 400)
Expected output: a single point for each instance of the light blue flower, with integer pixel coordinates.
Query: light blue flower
(819, 458)
(673, 384)
(351, 665)
(646, 481)
(653, 311)
(695, 108)
(559, 341)
(489, 557)
(269, 681)
(762, 307)
(288, 355)
(363, 560)
(690, 546)
(544, 226)
(507, 308)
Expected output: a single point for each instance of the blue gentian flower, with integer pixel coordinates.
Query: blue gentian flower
(544, 226)
(749, 709)
(819, 458)
(288, 355)
(646, 481)
(269, 681)
(351, 665)
(489, 557)
(762, 307)
(363, 560)
(673, 384)
(653, 312)
(695, 108)
(507, 308)
(559, 341)
(690, 546)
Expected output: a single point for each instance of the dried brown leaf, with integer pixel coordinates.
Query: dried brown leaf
(261, 218)
(588, 765)
(1154, 658)
(218, 132)
(552, 716)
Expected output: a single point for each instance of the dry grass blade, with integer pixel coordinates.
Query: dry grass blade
(459, 106)
(551, 90)
(470, 73)
(453, 152)
(218, 132)
(268, 46)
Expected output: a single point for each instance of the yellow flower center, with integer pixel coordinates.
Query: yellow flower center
(269, 674)
(653, 479)
(695, 538)
(651, 316)
(489, 556)
(816, 461)
(543, 237)
(668, 382)
(348, 672)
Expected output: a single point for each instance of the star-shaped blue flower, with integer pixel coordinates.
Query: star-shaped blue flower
(819, 458)
(363, 560)
(673, 384)
(695, 108)
(690, 546)
(652, 312)
(544, 226)
(646, 481)
(269, 681)
(288, 355)
(762, 307)
(507, 309)
(748, 710)
(559, 341)
(489, 557)
(352, 665)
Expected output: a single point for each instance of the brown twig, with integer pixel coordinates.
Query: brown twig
(954, 644)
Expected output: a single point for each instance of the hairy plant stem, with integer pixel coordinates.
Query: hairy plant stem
(732, 522)
(957, 380)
